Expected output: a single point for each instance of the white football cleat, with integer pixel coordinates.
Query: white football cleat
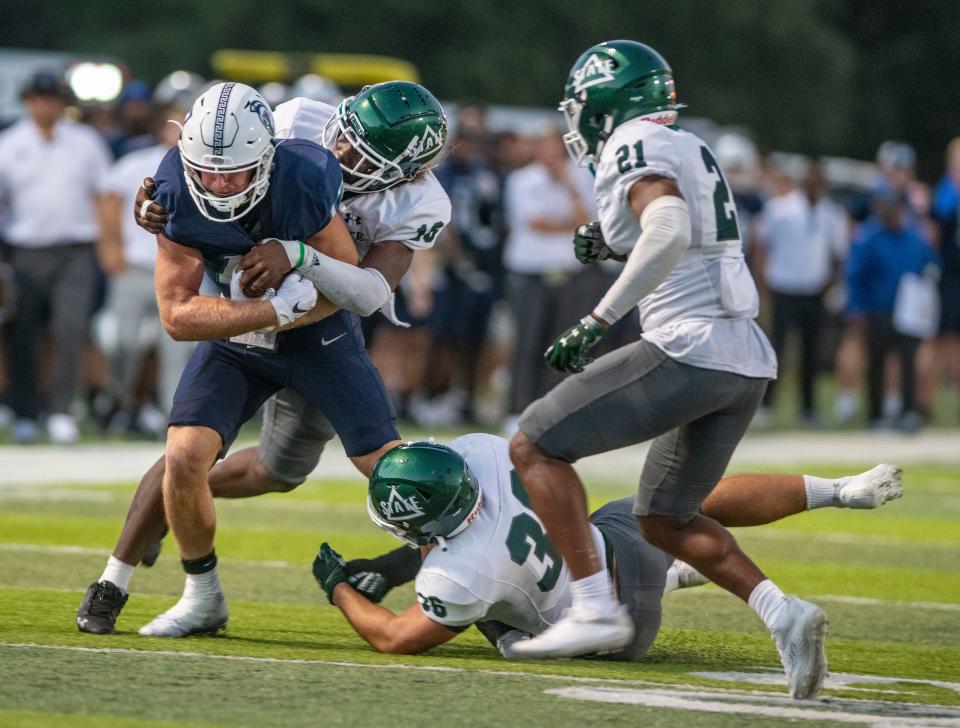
(579, 633)
(873, 488)
(189, 616)
(681, 576)
(800, 644)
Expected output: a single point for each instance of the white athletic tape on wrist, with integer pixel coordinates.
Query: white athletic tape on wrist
(295, 250)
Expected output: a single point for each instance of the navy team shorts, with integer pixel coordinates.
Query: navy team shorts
(225, 383)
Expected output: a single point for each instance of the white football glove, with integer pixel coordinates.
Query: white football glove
(295, 297)
(236, 292)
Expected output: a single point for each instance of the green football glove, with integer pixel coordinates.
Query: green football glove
(589, 245)
(329, 569)
(570, 352)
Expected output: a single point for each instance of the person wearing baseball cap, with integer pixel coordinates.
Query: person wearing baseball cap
(51, 171)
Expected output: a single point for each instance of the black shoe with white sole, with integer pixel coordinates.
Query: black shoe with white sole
(100, 608)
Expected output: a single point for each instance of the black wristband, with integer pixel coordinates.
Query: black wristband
(202, 565)
(397, 567)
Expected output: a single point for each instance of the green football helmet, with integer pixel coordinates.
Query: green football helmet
(397, 129)
(611, 83)
(422, 493)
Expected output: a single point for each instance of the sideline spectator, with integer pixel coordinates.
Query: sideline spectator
(802, 237)
(896, 161)
(874, 270)
(545, 201)
(469, 281)
(51, 171)
(128, 256)
(135, 114)
(946, 214)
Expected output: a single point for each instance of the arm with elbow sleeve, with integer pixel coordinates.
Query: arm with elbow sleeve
(665, 237)
(361, 290)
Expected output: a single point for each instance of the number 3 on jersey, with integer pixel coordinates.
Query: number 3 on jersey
(526, 536)
(727, 228)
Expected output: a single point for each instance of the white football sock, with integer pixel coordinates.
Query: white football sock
(202, 586)
(821, 492)
(768, 601)
(117, 573)
(594, 594)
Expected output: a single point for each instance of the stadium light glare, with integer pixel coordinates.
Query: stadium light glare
(96, 81)
(180, 80)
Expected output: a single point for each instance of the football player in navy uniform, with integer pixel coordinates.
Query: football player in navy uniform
(393, 207)
(227, 187)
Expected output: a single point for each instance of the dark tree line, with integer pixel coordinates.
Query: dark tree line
(815, 76)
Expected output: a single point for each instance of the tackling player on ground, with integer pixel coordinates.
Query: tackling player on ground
(393, 206)
(489, 562)
(692, 383)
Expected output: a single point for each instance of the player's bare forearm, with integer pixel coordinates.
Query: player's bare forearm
(188, 316)
(202, 318)
(405, 634)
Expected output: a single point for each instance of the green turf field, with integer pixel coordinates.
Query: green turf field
(889, 579)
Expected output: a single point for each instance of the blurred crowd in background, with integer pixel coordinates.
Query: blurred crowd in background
(859, 279)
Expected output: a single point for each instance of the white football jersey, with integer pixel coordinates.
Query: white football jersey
(411, 212)
(501, 566)
(703, 312)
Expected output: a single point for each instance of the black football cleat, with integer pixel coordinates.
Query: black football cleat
(100, 608)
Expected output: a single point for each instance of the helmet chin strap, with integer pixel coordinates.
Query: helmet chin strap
(603, 136)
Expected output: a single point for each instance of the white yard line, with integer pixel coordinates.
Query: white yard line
(275, 564)
(126, 462)
(323, 663)
(637, 692)
(781, 708)
(87, 551)
(868, 602)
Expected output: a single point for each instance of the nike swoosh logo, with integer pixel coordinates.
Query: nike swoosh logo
(325, 342)
(297, 309)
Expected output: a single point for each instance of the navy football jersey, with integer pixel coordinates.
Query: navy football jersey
(306, 184)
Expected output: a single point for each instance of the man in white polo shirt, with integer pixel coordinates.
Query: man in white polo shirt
(803, 236)
(546, 201)
(51, 170)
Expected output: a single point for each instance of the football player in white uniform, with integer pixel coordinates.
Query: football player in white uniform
(386, 138)
(489, 562)
(692, 383)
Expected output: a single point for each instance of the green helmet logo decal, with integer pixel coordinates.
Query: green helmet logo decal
(593, 72)
(426, 146)
(398, 508)
(612, 83)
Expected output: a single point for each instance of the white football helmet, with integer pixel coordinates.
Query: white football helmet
(229, 129)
